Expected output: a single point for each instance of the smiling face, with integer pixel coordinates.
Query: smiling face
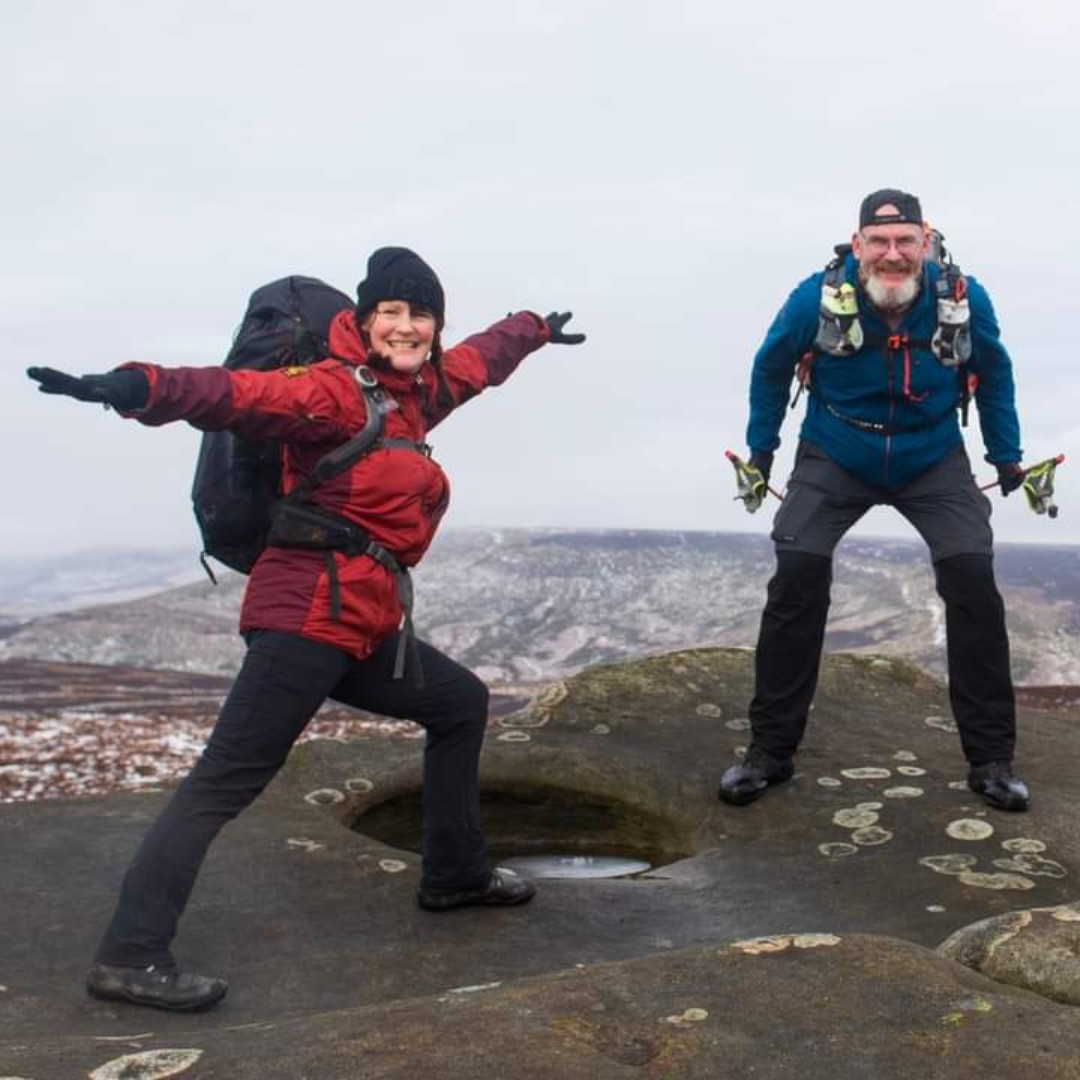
(891, 261)
(403, 333)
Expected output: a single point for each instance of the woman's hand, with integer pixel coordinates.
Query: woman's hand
(126, 389)
(556, 321)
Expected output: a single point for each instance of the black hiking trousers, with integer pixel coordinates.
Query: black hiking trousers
(282, 682)
(953, 517)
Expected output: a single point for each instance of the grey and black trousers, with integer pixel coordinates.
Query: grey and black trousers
(944, 504)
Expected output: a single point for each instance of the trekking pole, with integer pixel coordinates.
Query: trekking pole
(1038, 485)
(749, 491)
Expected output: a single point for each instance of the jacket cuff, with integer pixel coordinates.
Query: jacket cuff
(542, 325)
(152, 377)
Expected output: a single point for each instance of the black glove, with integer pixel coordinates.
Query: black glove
(556, 321)
(762, 461)
(1010, 477)
(127, 389)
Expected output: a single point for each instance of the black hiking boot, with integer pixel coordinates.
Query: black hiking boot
(747, 781)
(157, 987)
(999, 785)
(503, 887)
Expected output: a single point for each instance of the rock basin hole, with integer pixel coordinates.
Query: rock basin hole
(546, 832)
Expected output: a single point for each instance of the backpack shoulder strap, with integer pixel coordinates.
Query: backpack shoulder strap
(834, 268)
(839, 330)
(952, 342)
(347, 454)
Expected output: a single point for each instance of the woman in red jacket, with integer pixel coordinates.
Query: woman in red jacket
(329, 623)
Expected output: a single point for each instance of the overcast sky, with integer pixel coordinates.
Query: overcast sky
(667, 171)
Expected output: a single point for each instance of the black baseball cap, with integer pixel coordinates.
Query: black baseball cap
(907, 210)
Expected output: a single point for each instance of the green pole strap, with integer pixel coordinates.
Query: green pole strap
(1038, 485)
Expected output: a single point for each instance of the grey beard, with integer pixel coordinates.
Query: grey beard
(896, 299)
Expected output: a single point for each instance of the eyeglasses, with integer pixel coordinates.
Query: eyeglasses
(908, 244)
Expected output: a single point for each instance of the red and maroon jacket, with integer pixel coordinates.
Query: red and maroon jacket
(397, 495)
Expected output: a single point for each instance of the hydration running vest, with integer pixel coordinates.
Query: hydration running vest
(840, 331)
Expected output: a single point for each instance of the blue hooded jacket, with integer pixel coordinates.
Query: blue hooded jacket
(869, 386)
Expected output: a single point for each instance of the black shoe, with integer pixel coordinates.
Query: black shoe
(158, 987)
(503, 887)
(747, 781)
(999, 786)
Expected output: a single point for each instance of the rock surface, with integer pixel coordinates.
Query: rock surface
(814, 1006)
(858, 868)
(1037, 949)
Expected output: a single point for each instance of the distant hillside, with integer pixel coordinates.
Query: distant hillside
(39, 586)
(520, 605)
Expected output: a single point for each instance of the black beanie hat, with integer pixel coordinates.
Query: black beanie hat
(395, 273)
(908, 211)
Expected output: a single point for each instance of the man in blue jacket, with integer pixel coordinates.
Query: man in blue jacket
(888, 340)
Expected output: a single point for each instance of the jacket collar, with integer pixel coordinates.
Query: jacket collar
(346, 344)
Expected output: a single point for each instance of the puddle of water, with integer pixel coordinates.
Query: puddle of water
(575, 866)
(546, 822)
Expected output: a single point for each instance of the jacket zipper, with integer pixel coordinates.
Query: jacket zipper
(892, 414)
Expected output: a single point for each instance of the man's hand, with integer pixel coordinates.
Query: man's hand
(751, 478)
(754, 485)
(762, 462)
(127, 389)
(556, 321)
(1010, 477)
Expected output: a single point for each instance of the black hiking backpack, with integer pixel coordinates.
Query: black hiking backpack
(236, 481)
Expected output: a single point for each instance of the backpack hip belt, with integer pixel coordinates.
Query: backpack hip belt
(307, 527)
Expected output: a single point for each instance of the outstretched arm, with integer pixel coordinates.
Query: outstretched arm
(491, 357)
(299, 404)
